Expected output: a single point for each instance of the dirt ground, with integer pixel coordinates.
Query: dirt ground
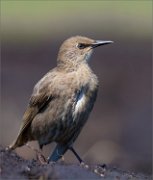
(14, 167)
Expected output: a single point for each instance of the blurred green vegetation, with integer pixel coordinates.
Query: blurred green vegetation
(36, 20)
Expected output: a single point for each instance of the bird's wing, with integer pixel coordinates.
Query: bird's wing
(37, 102)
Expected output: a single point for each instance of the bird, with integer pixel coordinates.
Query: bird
(62, 99)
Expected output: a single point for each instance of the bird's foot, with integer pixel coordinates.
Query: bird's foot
(100, 170)
(52, 163)
(84, 165)
(41, 158)
(62, 159)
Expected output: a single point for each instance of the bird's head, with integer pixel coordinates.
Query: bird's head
(78, 49)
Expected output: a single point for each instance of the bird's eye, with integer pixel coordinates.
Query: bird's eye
(81, 46)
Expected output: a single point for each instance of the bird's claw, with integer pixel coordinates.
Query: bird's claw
(41, 158)
(86, 166)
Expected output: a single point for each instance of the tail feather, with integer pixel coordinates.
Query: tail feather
(21, 139)
(17, 143)
(24, 132)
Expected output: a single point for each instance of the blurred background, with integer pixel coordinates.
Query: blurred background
(119, 128)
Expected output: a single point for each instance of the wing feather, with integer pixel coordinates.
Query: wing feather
(36, 104)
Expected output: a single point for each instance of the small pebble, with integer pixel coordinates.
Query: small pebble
(102, 175)
(95, 170)
(27, 169)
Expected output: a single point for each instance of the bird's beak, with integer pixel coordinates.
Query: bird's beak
(100, 43)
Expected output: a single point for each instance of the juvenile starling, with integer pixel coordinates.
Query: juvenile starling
(62, 100)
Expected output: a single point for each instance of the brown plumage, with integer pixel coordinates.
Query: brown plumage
(62, 100)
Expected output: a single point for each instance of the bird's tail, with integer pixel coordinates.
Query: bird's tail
(24, 132)
(17, 143)
(21, 139)
(58, 152)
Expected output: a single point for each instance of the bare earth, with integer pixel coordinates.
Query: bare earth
(14, 167)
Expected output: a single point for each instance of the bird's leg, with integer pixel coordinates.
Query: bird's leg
(39, 154)
(76, 154)
(99, 169)
(58, 153)
(82, 163)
